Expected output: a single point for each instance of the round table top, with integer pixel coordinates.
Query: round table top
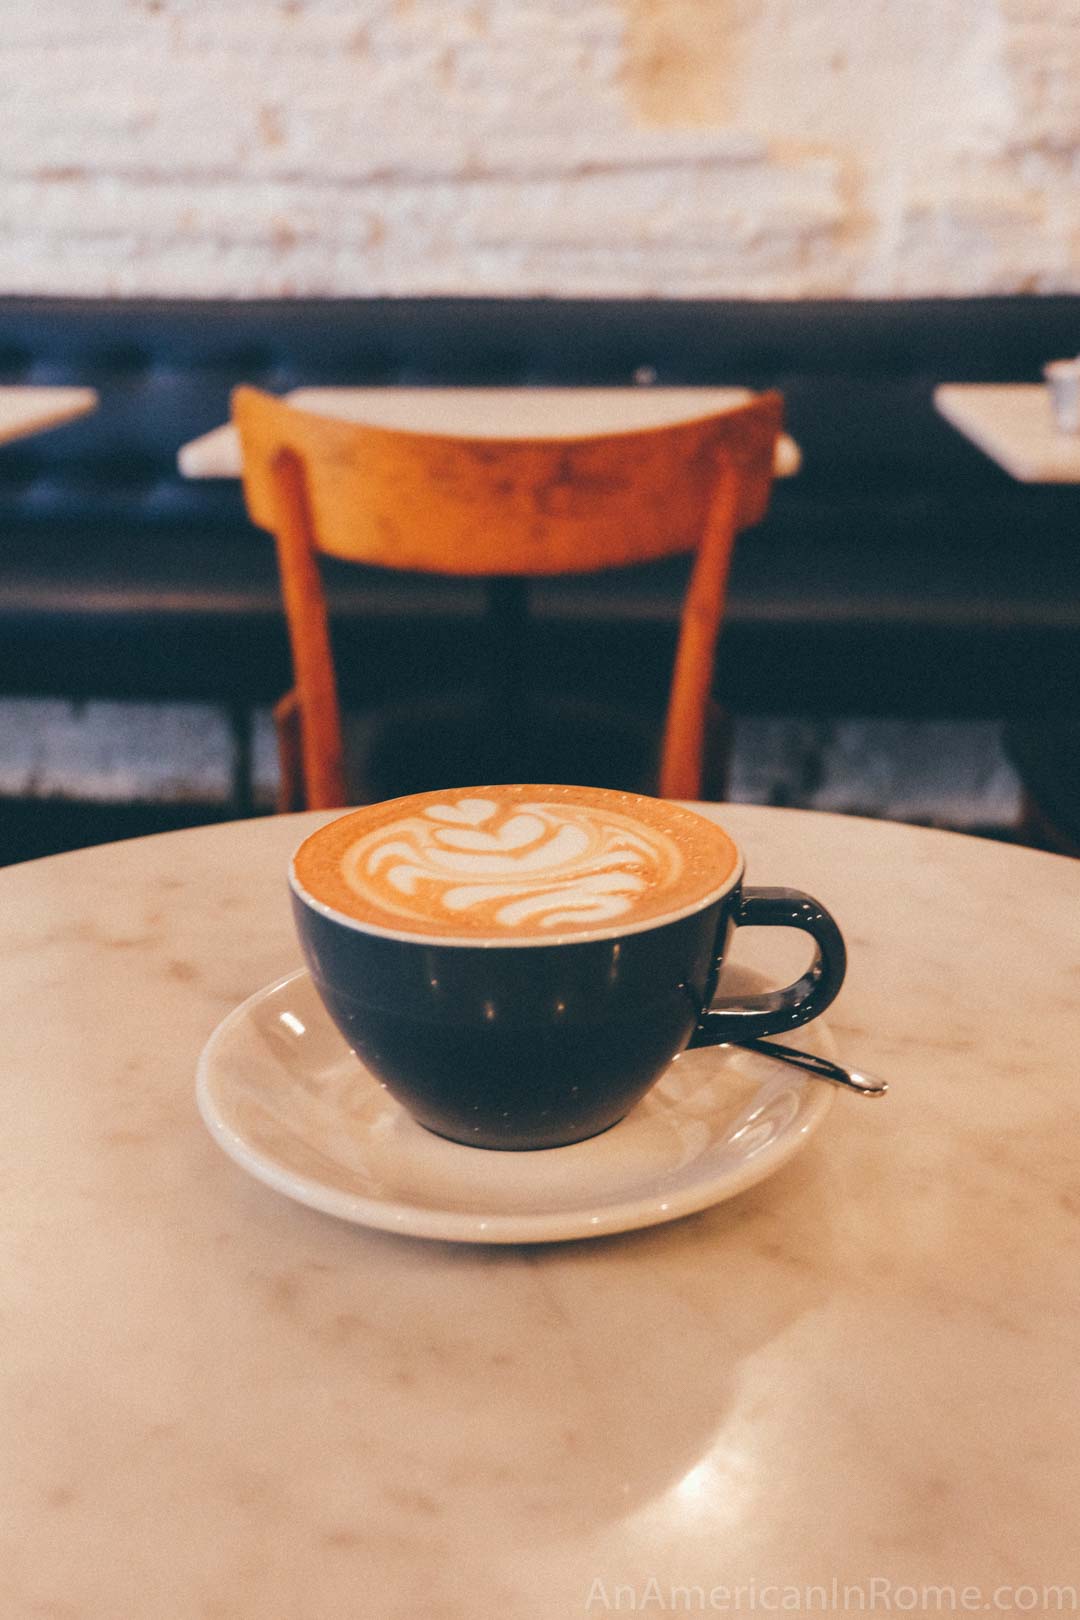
(861, 1373)
(28, 409)
(490, 413)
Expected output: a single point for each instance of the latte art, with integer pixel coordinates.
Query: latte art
(530, 865)
(515, 864)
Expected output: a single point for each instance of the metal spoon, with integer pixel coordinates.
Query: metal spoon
(855, 1079)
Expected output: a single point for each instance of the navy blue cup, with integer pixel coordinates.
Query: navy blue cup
(540, 1045)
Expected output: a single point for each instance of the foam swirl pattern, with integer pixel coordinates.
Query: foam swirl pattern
(520, 867)
(515, 864)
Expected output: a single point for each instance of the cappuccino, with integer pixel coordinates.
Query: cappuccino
(410, 915)
(521, 864)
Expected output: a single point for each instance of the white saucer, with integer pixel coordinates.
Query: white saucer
(286, 1098)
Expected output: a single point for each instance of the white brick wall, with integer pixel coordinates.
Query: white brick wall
(679, 147)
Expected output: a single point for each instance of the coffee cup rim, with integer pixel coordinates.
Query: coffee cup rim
(591, 936)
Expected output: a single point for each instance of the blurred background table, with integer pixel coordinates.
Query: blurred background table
(218, 1403)
(489, 413)
(1014, 425)
(27, 410)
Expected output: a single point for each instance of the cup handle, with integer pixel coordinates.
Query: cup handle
(745, 1018)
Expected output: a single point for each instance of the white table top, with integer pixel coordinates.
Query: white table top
(215, 1402)
(489, 413)
(1014, 424)
(30, 410)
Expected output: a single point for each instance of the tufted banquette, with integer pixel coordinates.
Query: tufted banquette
(899, 573)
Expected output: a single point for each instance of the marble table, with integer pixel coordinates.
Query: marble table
(489, 413)
(27, 410)
(863, 1373)
(1013, 423)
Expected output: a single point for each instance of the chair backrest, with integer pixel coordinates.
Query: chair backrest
(527, 507)
(455, 505)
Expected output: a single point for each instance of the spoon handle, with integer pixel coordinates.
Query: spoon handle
(854, 1079)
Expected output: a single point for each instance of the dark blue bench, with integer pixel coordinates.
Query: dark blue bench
(900, 573)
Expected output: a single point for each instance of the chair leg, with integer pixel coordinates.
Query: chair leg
(287, 726)
(716, 755)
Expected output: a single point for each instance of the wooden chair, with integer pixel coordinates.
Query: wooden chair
(506, 509)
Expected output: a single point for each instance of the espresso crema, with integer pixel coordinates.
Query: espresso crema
(515, 864)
